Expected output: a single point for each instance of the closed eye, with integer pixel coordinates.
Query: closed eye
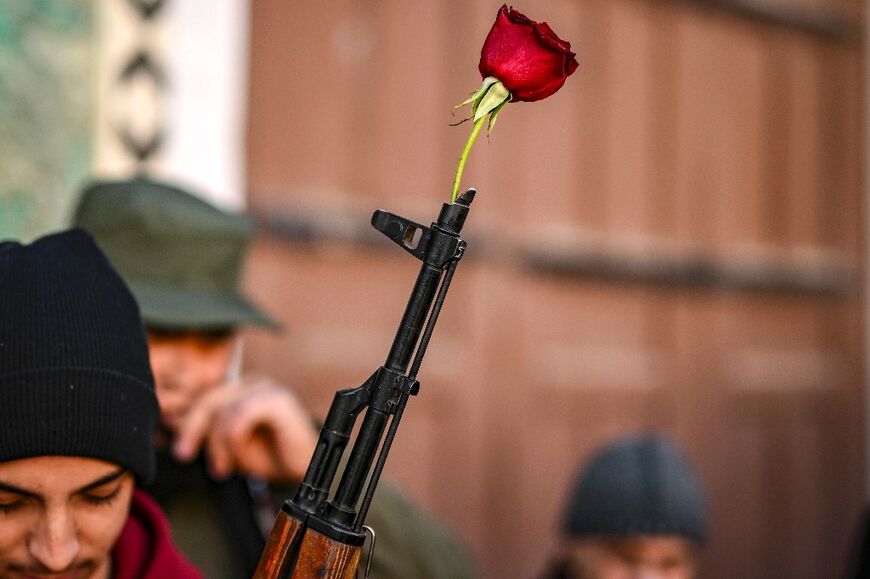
(10, 501)
(101, 496)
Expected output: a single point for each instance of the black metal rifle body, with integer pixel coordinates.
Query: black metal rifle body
(318, 537)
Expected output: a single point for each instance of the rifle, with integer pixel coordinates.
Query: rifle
(317, 537)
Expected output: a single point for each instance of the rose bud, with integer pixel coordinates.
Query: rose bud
(526, 56)
(521, 60)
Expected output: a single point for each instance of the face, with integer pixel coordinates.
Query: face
(642, 557)
(186, 365)
(60, 516)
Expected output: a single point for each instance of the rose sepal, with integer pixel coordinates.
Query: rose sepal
(489, 99)
(478, 94)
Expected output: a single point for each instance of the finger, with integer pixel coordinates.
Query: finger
(218, 453)
(274, 433)
(196, 424)
(256, 434)
(250, 438)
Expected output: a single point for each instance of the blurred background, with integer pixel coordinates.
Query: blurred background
(673, 242)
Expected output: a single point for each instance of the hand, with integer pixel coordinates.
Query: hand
(254, 427)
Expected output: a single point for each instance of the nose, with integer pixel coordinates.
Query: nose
(55, 543)
(165, 364)
(173, 370)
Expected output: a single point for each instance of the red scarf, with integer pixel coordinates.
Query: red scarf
(145, 550)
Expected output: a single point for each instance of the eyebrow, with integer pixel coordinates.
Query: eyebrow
(88, 487)
(103, 480)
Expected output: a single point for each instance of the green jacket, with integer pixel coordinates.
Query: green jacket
(410, 543)
(221, 525)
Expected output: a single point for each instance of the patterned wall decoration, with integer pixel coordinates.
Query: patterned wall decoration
(46, 64)
(140, 79)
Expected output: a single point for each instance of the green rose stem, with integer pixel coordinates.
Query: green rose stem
(486, 101)
(464, 157)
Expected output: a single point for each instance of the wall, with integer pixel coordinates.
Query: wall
(674, 242)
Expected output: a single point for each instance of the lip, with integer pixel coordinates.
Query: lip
(80, 574)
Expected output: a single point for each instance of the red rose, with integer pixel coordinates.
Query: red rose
(521, 60)
(526, 56)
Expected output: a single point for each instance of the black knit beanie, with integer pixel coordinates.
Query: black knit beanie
(74, 373)
(638, 486)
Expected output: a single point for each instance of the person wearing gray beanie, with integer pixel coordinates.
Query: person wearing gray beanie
(77, 419)
(637, 509)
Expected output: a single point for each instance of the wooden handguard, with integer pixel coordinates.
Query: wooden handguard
(316, 556)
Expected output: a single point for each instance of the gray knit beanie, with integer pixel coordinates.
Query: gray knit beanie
(638, 486)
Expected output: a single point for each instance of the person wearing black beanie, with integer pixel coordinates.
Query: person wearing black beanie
(636, 510)
(77, 417)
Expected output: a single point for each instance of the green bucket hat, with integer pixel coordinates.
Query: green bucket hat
(181, 257)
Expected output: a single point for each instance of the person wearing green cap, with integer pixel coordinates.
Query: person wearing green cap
(230, 445)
